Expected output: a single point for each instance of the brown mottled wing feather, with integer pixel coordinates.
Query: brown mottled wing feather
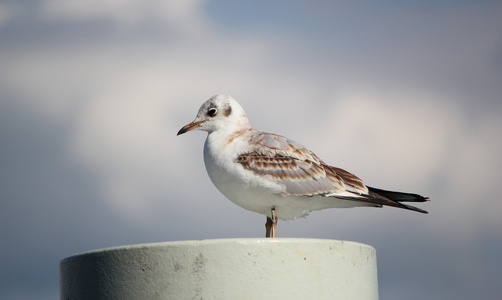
(348, 178)
(300, 170)
(301, 177)
(304, 174)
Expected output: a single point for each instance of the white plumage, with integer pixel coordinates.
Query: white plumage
(263, 172)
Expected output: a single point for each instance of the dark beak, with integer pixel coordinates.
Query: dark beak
(189, 127)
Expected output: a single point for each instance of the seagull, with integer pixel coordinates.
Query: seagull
(274, 176)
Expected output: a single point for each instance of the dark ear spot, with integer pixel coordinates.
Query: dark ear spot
(227, 111)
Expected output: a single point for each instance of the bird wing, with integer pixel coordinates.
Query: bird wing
(297, 168)
(304, 174)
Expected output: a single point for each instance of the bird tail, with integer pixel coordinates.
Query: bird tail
(391, 198)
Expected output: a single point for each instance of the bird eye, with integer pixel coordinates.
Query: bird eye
(212, 112)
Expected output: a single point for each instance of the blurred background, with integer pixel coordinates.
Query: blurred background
(405, 94)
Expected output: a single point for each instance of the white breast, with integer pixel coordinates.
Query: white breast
(241, 186)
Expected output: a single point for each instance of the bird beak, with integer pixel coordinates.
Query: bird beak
(189, 127)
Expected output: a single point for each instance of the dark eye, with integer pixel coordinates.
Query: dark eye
(212, 112)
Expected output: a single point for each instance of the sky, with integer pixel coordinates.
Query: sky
(404, 94)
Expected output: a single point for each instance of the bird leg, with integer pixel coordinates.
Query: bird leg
(268, 227)
(271, 225)
(274, 223)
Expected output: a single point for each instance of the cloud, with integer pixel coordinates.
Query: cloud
(184, 16)
(113, 94)
(122, 107)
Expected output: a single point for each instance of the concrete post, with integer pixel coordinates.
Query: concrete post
(281, 268)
